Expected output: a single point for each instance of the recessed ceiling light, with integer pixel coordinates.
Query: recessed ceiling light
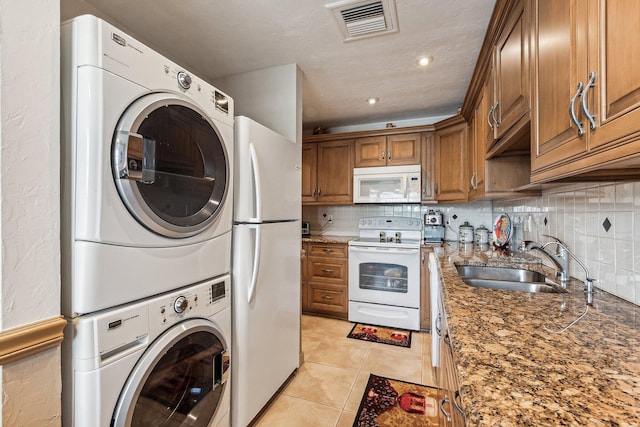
(373, 100)
(423, 61)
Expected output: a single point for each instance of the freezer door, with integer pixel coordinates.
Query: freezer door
(266, 313)
(268, 174)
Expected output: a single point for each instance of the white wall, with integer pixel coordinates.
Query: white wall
(29, 199)
(272, 96)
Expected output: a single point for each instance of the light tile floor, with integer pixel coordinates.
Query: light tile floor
(326, 390)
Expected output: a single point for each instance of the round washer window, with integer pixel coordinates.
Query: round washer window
(170, 165)
(180, 380)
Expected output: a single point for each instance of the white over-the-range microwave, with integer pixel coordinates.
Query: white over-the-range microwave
(387, 184)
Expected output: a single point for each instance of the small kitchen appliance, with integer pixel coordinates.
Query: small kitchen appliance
(433, 227)
(306, 230)
(387, 184)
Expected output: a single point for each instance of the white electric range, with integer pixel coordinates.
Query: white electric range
(384, 272)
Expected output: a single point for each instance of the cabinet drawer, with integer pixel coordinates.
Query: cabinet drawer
(323, 297)
(332, 270)
(328, 250)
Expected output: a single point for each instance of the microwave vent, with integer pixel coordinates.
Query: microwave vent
(359, 19)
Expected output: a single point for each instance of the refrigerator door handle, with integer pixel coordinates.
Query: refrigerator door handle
(256, 263)
(256, 183)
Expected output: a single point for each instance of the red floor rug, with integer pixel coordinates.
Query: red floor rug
(393, 403)
(380, 334)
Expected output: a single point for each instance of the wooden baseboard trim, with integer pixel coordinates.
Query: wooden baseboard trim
(27, 340)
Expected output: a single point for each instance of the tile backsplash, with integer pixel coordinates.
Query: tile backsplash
(345, 218)
(599, 222)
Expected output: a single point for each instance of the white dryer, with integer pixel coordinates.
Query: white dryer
(162, 361)
(146, 171)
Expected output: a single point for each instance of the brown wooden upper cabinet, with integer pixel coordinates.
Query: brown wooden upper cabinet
(586, 87)
(451, 161)
(327, 172)
(509, 86)
(428, 164)
(389, 150)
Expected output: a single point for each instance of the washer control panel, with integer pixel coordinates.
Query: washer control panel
(202, 300)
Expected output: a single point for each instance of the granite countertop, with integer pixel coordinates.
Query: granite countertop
(323, 238)
(519, 365)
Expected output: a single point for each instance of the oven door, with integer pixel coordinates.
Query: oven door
(384, 275)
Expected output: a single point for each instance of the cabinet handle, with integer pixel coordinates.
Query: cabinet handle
(585, 109)
(474, 183)
(489, 114)
(383, 156)
(438, 320)
(318, 191)
(493, 114)
(389, 155)
(572, 110)
(437, 189)
(326, 270)
(328, 250)
(442, 403)
(327, 297)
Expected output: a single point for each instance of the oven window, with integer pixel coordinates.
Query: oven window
(383, 277)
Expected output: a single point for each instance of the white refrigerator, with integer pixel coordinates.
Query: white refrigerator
(266, 267)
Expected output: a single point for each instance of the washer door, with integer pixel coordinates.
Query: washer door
(178, 381)
(170, 165)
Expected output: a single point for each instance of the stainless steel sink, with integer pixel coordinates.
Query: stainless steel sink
(506, 279)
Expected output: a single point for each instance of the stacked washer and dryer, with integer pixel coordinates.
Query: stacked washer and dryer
(146, 235)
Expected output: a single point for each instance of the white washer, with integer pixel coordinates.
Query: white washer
(161, 361)
(146, 171)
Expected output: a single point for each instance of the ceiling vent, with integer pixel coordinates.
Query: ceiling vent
(359, 19)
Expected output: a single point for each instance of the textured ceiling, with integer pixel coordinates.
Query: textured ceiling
(219, 38)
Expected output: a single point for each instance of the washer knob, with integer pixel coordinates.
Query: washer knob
(184, 80)
(180, 304)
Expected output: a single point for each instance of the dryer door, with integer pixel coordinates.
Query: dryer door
(179, 380)
(170, 165)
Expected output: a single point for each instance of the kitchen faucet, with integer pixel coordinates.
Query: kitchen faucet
(561, 261)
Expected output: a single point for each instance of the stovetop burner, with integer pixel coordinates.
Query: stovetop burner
(382, 231)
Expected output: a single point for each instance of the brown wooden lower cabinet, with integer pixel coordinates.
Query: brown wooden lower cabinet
(325, 288)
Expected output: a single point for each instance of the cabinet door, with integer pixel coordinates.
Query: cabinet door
(329, 299)
(614, 29)
(335, 171)
(370, 151)
(488, 91)
(427, 154)
(512, 81)
(309, 172)
(479, 128)
(403, 149)
(559, 76)
(303, 276)
(451, 163)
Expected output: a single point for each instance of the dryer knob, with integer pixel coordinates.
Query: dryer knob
(180, 304)
(184, 80)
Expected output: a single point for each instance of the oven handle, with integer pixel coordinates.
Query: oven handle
(403, 251)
